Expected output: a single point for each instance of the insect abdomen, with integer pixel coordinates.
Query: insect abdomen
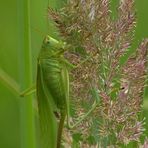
(52, 74)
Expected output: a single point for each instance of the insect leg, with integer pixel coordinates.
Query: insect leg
(28, 91)
(9, 82)
(83, 117)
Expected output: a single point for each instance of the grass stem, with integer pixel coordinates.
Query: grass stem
(25, 75)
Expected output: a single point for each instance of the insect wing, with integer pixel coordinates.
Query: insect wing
(65, 85)
(54, 79)
(46, 115)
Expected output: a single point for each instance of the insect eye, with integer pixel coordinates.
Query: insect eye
(47, 42)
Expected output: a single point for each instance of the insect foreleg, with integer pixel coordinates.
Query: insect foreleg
(9, 82)
(28, 91)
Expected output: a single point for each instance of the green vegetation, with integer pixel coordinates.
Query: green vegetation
(21, 22)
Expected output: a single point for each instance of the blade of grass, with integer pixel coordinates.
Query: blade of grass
(25, 75)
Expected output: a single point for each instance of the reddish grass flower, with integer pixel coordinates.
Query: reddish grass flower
(88, 27)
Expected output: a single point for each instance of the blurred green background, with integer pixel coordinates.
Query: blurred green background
(9, 103)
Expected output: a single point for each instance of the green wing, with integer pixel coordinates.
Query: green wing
(56, 83)
(65, 85)
(56, 80)
(46, 116)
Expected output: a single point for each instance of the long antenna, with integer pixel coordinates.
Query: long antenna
(39, 31)
(47, 16)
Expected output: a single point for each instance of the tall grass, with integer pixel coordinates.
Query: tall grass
(25, 75)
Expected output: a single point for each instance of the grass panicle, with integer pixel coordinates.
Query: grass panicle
(88, 26)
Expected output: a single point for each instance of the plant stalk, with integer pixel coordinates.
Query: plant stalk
(25, 75)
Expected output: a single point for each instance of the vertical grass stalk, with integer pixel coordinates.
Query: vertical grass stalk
(25, 74)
